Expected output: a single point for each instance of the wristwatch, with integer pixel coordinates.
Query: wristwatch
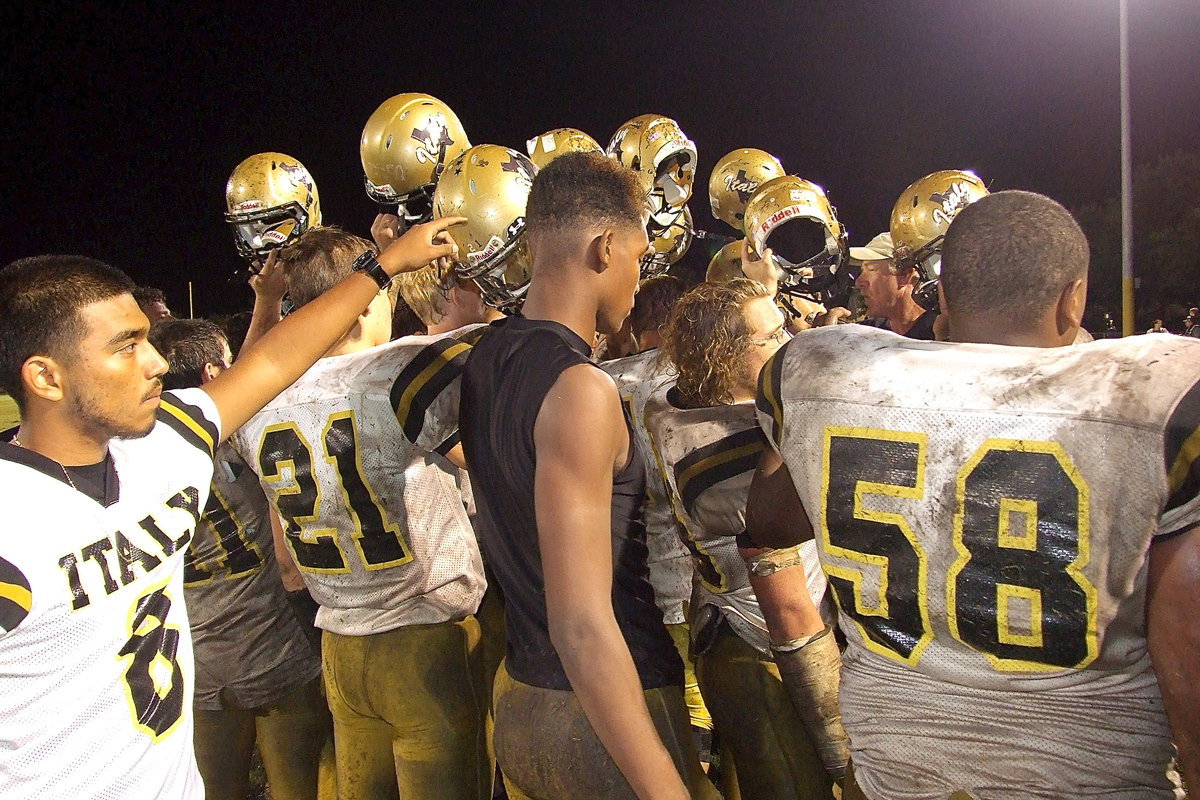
(370, 265)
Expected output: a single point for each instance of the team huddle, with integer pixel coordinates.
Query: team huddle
(592, 532)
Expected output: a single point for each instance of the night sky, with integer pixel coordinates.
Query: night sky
(121, 128)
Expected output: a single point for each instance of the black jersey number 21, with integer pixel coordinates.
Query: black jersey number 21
(1014, 589)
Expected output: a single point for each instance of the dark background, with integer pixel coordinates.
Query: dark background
(122, 126)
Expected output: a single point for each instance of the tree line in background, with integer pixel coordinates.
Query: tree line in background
(1166, 245)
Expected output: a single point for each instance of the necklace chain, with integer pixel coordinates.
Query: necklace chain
(66, 474)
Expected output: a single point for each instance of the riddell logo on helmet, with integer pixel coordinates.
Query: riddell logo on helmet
(779, 216)
(250, 205)
(490, 249)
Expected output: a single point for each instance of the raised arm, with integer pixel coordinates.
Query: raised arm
(284, 353)
(1173, 634)
(573, 499)
(269, 285)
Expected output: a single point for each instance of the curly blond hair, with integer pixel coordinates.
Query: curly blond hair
(425, 291)
(706, 338)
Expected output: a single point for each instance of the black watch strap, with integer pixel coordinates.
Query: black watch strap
(370, 265)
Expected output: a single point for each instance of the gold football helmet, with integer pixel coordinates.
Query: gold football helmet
(489, 185)
(735, 178)
(405, 145)
(794, 218)
(552, 144)
(664, 158)
(726, 264)
(668, 245)
(919, 222)
(270, 199)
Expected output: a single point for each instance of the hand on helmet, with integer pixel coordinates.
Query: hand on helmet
(420, 245)
(269, 283)
(385, 230)
(760, 269)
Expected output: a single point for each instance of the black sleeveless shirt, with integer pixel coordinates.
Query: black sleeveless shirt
(507, 376)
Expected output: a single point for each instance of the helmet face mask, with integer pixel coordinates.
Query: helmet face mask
(270, 200)
(489, 185)
(668, 244)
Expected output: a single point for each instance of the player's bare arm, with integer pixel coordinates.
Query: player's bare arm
(1173, 636)
(573, 498)
(774, 515)
(269, 285)
(291, 347)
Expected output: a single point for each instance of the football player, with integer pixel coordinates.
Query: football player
(589, 702)
(1010, 525)
(744, 618)
(257, 678)
(92, 616)
(405, 146)
(350, 456)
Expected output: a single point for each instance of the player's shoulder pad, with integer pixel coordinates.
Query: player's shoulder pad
(181, 412)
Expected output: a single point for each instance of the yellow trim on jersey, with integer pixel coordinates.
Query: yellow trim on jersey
(768, 388)
(307, 536)
(1074, 569)
(877, 562)
(404, 406)
(222, 558)
(18, 594)
(390, 527)
(192, 425)
(715, 461)
(1188, 453)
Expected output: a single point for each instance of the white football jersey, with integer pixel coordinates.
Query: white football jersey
(984, 515)
(96, 669)
(670, 564)
(708, 457)
(372, 514)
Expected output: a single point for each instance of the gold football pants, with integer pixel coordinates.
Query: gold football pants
(294, 738)
(408, 712)
(757, 722)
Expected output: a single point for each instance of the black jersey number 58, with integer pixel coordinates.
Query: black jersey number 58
(1015, 590)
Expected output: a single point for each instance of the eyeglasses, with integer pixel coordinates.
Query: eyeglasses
(780, 337)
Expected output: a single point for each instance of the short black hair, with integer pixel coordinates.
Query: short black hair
(40, 300)
(1010, 254)
(145, 295)
(187, 345)
(582, 190)
(653, 303)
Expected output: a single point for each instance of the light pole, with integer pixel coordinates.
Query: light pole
(1126, 183)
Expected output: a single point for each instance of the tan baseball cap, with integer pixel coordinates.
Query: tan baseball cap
(877, 249)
